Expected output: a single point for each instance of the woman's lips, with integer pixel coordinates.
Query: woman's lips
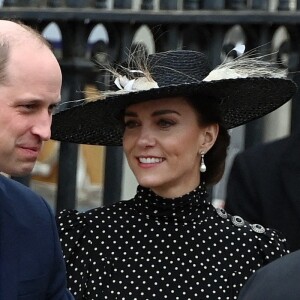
(150, 160)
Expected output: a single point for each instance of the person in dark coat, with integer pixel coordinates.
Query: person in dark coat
(31, 262)
(277, 281)
(264, 186)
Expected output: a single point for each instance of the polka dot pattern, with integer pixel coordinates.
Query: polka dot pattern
(155, 248)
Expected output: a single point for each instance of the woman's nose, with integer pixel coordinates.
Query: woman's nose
(146, 138)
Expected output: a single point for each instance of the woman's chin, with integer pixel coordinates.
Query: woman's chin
(150, 183)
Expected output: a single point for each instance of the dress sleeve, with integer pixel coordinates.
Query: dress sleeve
(272, 243)
(88, 273)
(73, 228)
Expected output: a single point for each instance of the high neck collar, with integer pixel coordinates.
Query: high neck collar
(186, 207)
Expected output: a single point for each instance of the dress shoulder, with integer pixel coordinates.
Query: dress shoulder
(82, 235)
(270, 243)
(76, 229)
(72, 226)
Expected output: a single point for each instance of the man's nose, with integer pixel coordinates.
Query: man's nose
(42, 127)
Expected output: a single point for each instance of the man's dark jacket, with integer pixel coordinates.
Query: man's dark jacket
(278, 280)
(264, 187)
(31, 262)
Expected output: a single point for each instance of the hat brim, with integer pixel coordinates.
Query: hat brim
(240, 100)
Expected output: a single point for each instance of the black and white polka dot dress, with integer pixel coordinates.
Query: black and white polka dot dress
(155, 248)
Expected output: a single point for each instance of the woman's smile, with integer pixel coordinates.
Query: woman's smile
(150, 160)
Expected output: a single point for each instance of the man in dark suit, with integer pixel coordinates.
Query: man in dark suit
(264, 187)
(31, 262)
(276, 281)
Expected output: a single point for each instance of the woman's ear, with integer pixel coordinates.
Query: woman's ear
(209, 135)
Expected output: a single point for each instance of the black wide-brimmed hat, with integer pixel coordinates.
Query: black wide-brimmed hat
(244, 88)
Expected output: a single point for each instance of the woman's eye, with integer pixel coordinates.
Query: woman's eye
(131, 124)
(165, 123)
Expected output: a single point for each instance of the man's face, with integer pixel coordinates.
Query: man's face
(27, 98)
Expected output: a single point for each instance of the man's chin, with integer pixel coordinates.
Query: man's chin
(24, 170)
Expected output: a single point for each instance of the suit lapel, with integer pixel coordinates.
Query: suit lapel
(9, 249)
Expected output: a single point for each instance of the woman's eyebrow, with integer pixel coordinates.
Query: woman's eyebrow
(165, 111)
(155, 113)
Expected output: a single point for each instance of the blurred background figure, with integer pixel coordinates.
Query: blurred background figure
(264, 186)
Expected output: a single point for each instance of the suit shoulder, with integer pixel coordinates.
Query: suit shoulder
(269, 147)
(21, 197)
(9, 185)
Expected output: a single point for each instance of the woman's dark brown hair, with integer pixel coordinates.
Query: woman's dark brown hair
(209, 113)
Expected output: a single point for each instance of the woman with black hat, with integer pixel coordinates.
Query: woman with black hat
(171, 114)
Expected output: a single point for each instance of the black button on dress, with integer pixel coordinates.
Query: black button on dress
(150, 247)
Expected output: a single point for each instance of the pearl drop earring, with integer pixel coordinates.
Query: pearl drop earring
(202, 164)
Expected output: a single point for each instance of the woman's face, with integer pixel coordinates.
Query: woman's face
(163, 141)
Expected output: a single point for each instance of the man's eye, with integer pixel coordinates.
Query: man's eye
(28, 106)
(53, 108)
